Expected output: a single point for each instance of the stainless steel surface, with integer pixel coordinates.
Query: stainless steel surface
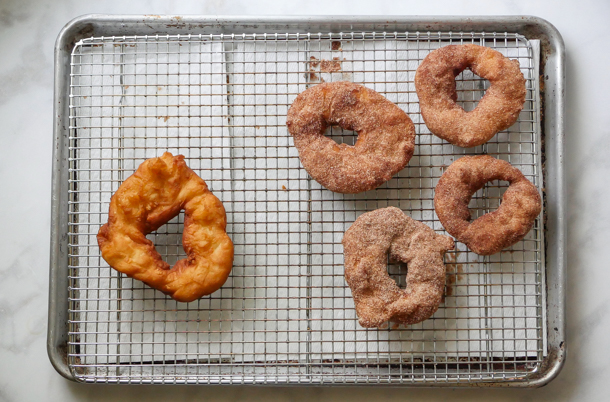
(286, 315)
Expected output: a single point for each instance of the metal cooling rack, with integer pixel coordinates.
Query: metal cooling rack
(285, 314)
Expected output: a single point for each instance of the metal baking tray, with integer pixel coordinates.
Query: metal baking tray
(217, 90)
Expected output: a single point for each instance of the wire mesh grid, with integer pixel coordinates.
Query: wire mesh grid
(285, 314)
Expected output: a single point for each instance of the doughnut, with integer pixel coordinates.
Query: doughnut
(367, 244)
(497, 110)
(386, 136)
(495, 230)
(154, 194)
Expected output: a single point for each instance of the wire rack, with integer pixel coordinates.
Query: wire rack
(285, 314)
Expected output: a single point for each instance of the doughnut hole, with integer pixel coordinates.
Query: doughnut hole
(398, 272)
(487, 199)
(168, 240)
(470, 89)
(341, 136)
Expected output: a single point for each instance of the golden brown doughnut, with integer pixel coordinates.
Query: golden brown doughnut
(386, 136)
(497, 110)
(154, 194)
(496, 230)
(367, 244)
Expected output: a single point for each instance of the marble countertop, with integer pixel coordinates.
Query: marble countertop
(28, 29)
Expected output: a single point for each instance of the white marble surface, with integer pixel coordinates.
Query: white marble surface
(28, 29)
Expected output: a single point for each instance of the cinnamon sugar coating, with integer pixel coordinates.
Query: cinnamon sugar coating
(367, 244)
(386, 136)
(153, 195)
(494, 231)
(497, 110)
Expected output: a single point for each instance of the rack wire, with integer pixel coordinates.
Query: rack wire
(285, 315)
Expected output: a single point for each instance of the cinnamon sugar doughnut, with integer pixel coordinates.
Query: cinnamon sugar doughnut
(367, 244)
(386, 136)
(496, 230)
(497, 110)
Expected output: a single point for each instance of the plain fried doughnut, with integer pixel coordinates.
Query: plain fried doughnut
(153, 195)
(497, 110)
(367, 244)
(386, 136)
(496, 230)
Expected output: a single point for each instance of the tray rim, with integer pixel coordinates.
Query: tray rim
(552, 75)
